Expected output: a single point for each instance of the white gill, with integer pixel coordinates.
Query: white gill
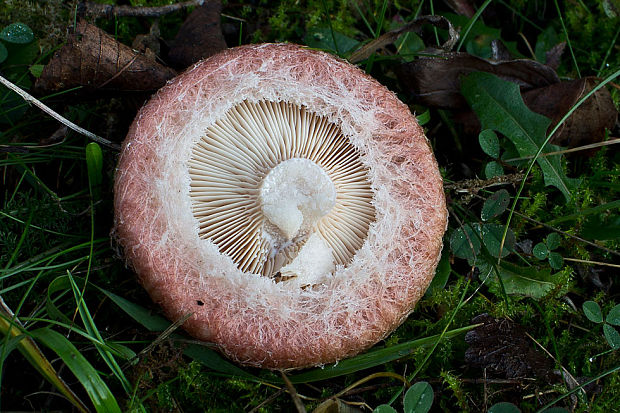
(230, 164)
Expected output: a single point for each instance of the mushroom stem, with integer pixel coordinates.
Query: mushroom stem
(314, 262)
(295, 195)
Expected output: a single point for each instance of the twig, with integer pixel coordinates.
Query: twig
(120, 72)
(484, 380)
(163, 336)
(291, 390)
(31, 99)
(539, 393)
(267, 400)
(109, 11)
(475, 185)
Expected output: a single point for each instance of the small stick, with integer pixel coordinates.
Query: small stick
(267, 401)
(606, 264)
(578, 148)
(31, 99)
(109, 11)
(474, 185)
(291, 390)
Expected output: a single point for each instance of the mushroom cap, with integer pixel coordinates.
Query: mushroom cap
(253, 319)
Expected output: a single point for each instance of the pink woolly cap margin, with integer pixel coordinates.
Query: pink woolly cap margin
(252, 319)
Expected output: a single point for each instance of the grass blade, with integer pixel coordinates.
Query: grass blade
(214, 361)
(138, 313)
(97, 390)
(91, 328)
(372, 358)
(94, 166)
(471, 23)
(31, 352)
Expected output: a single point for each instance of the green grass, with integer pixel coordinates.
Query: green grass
(76, 322)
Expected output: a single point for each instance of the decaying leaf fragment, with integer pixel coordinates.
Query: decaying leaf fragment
(95, 60)
(587, 124)
(502, 348)
(199, 37)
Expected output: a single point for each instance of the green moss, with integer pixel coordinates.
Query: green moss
(455, 386)
(291, 19)
(591, 31)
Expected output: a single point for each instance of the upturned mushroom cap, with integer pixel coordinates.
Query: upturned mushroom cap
(285, 199)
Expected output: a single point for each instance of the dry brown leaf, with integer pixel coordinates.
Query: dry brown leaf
(149, 43)
(199, 37)
(499, 50)
(462, 7)
(554, 55)
(587, 124)
(95, 60)
(435, 81)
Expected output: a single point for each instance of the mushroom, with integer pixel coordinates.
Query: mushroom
(286, 200)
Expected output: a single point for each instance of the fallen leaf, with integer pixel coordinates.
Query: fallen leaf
(500, 51)
(95, 60)
(436, 81)
(58, 136)
(149, 43)
(502, 348)
(199, 37)
(587, 124)
(554, 55)
(462, 7)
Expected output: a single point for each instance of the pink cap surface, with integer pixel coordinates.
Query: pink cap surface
(254, 320)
